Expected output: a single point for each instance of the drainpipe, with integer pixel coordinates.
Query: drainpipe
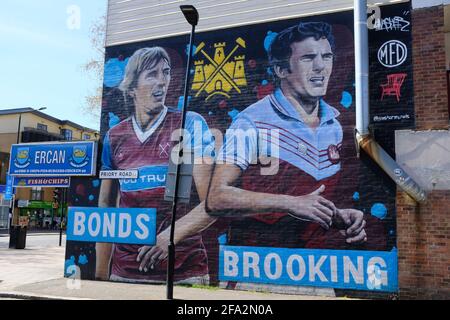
(363, 137)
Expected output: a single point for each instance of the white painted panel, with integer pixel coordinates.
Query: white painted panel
(137, 20)
(425, 156)
(417, 4)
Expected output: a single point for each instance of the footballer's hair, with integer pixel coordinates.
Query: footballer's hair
(280, 49)
(142, 59)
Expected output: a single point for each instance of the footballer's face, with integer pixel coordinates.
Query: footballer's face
(311, 64)
(151, 89)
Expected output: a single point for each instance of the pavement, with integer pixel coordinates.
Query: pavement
(36, 273)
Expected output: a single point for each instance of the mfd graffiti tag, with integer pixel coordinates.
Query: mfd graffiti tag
(392, 53)
(392, 24)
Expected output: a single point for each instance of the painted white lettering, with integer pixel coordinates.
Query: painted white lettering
(144, 232)
(333, 267)
(278, 266)
(109, 225)
(251, 261)
(314, 269)
(124, 225)
(301, 267)
(357, 273)
(231, 260)
(378, 261)
(78, 223)
(94, 232)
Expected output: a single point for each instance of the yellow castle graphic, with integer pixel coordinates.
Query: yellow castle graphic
(219, 76)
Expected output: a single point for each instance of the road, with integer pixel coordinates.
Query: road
(41, 260)
(36, 241)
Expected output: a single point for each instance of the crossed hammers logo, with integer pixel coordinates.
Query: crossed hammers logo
(219, 67)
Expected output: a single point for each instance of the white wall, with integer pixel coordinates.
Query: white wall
(137, 20)
(417, 4)
(425, 156)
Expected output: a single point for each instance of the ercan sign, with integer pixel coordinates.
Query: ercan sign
(53, 159)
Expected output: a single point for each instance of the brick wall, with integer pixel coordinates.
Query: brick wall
(430, 79)
(424, 231)
(424, 246)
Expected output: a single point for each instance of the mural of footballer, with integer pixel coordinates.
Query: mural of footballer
(297, 206)
(143, 142)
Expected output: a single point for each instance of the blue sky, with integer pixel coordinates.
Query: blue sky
(41, 56)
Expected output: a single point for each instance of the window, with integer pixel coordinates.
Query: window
(42, 127)
(86, 136)
(36, 194)
(67, 134)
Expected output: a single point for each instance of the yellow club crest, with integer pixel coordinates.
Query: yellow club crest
(221, 74)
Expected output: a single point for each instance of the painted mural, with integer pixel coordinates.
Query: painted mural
(280, 196)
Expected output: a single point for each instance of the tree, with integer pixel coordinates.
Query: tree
(94, 67)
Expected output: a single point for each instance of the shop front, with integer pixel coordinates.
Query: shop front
(41, 214)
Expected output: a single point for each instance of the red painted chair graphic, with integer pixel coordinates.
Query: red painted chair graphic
(393, 86)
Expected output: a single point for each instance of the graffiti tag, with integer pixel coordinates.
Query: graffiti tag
(392, 24)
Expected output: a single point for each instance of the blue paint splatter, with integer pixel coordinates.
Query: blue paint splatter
(96, 183)
(222, 239)
(379, 210)
(67, 264)
(113, 120)
(91, 198)
(356, 196)
(114, 72)
(265, 82)
(186, 51)
(181, 101)
(269, 71)
(82, 259)
(347, 100)
(269, 39)
(210, 113)
(233, 114)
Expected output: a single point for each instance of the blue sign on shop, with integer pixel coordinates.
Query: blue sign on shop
(22, 182)
(53, 159)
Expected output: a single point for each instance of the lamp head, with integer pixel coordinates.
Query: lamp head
(190, 14)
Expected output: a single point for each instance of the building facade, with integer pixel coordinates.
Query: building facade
(26, 125)
(253, 239)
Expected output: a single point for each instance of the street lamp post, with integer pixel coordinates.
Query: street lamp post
(191, 16)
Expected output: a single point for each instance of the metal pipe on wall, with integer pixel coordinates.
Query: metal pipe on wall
(361, 67)
(363, 137)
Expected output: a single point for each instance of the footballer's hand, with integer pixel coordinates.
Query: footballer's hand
(150, 256)
(352, 222)
(313, 207)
